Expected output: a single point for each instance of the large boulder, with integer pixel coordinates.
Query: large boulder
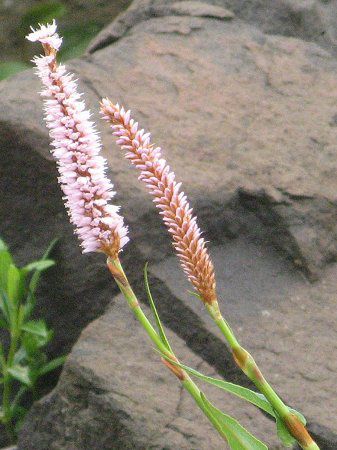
(114, 393)
(310, 20)
(248, 121)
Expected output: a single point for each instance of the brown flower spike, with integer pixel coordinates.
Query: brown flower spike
(172, 202)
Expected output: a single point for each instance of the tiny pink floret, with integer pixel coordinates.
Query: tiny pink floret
(76, 148)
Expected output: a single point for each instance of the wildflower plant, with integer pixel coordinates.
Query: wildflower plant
(101, 228)
(23, 361)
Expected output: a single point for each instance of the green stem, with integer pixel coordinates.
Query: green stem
(247, 364)
(118, 273)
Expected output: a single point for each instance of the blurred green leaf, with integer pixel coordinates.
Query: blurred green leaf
(76, 39)
(237, 436)
(41, 265)
(33, 343)
(15, 284)
(6, 308)
(37, 327)
(22, 390)
(51, 365)
(20, 373)
(20, 355)
(9, 68)
(29, 305)
(42, 13)
(37, 274)
(5, 261)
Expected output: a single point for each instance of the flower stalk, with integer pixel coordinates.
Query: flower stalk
(87, 190)
(190, 247)
(118, 273)
(247, 364)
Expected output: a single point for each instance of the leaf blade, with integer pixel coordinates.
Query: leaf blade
(52, 365)
(154, 311)
(41, 265)
(255, 398)
(237, 436)
(20, 373)
(37, 274)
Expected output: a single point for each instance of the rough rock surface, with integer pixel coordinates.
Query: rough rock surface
(295, 322)
(114, 393)
(311, 20)
(248, 121)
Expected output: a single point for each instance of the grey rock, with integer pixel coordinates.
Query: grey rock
(311, 20)
(141, 11)
(114, 393)
(247, 121)
(265, 141)
(283, 320)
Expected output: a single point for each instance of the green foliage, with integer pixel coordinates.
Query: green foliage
(76, 39)
(24, 361)
(237, 437)
(76, 35)
(250, 396)
(42, 13)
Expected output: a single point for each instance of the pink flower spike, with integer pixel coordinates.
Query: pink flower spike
(173, 204)
(76, 146)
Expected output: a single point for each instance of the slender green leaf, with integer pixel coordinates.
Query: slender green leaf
(15, 284)
(255, 398)
(41, 265)
(21, 373)
(29, 305)
(5, 261)
(51, 365)
(77, 38)
(7, 308)
(20, 355)
(42, 13)
(195, 294)
(37, 327)
(155, 312)
(33, 343)
(22, 390)
(36, 276)
(237, 436)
